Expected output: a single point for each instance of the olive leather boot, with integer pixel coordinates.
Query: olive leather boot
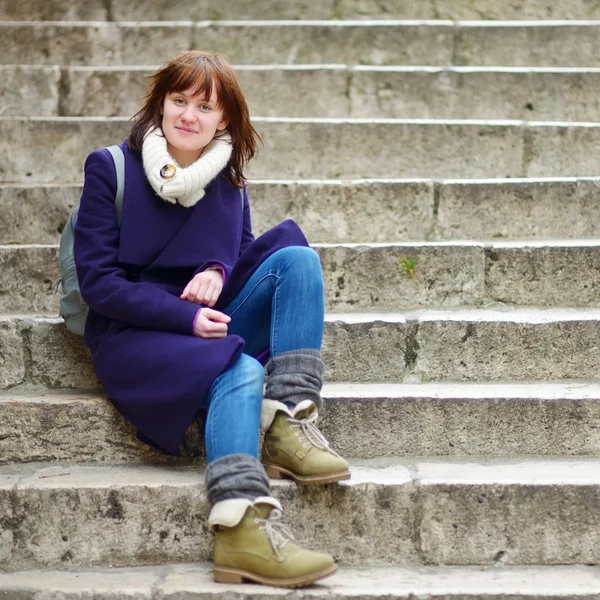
(252, 544)
(293, 447)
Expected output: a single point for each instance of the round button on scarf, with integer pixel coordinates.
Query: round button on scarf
(168, 171)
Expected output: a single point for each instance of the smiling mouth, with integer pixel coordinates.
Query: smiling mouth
(185, 130)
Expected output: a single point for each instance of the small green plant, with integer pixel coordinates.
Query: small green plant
(408, 267)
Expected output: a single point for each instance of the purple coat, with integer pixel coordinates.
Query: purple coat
(151, 366)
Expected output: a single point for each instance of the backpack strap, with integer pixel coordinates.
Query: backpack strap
(119, 160)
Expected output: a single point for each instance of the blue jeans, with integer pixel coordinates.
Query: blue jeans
(281, 307)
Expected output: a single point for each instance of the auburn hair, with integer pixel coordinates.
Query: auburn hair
(201, 72)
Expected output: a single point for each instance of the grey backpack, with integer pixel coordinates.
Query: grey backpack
(73, 309)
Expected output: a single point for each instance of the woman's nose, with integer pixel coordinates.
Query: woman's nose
(189, 114)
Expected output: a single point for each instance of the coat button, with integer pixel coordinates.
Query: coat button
(168, 171)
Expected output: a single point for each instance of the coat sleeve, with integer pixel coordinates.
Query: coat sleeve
(247, 235)
(102, 281)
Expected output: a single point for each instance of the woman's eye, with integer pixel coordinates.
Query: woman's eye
(205, 107)
(179, 101)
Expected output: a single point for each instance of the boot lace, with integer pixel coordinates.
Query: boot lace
(278, 534)
(311, 432)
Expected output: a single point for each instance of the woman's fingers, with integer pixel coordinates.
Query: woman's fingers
(212, 295)
(196, 293)
(204, 288)
(211, 324)
(184, 294)
(215, 315)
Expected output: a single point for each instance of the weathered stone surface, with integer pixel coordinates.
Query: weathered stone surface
(35, 213)
(59, 359)
(71, 516)
(362, 9)
(28, 90)
(41, 141)
(8, 523)
(301, 42)
(28, 276)
(436, 419)
(559, 274)
(53, 10)
(365, 348)
(306, 149)
(335, 211)
(528, 45)
(522, 345)
(123, 10)
(297, 42)
(527, 513)
(41, 426)
(393, 276)
(360, 421)
(194, 581)
(465, 93)
(70, 43)
(107, 92)
(518, 209)
(524, 9)
(345, 42)
(561, 148)
(12, 355)
(216, 10)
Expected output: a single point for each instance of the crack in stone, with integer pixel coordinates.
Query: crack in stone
(109, 10)
(348, 92)
(528, 153)
(412, 347)
(64, 90)
(27, 356)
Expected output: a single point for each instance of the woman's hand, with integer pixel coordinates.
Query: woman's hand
(211, 323)
(205, 288)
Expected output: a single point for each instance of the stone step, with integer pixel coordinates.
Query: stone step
(450, 345)
(53, 149)
(362, 421)
(398, 276)
(194, 581)
(383, 42)
(125, 10)
(392, 210)
(353, 92)
(517, 512)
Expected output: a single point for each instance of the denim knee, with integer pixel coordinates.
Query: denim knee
(302, 260)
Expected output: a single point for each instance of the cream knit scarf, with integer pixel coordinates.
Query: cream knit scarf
(183, 185)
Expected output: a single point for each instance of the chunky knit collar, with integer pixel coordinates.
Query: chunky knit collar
(183, 185)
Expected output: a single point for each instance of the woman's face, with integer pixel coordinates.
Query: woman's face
(189, 123)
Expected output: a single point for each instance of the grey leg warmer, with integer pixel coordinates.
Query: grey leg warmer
(236, 476)
(295, 376)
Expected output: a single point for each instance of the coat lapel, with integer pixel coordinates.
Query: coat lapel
(158, 234)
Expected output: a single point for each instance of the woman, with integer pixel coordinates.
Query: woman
(185, 304)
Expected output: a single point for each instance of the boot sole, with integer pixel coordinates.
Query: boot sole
(231, 575)
(278, 472)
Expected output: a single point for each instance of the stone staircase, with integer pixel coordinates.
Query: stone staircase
(445, 170)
